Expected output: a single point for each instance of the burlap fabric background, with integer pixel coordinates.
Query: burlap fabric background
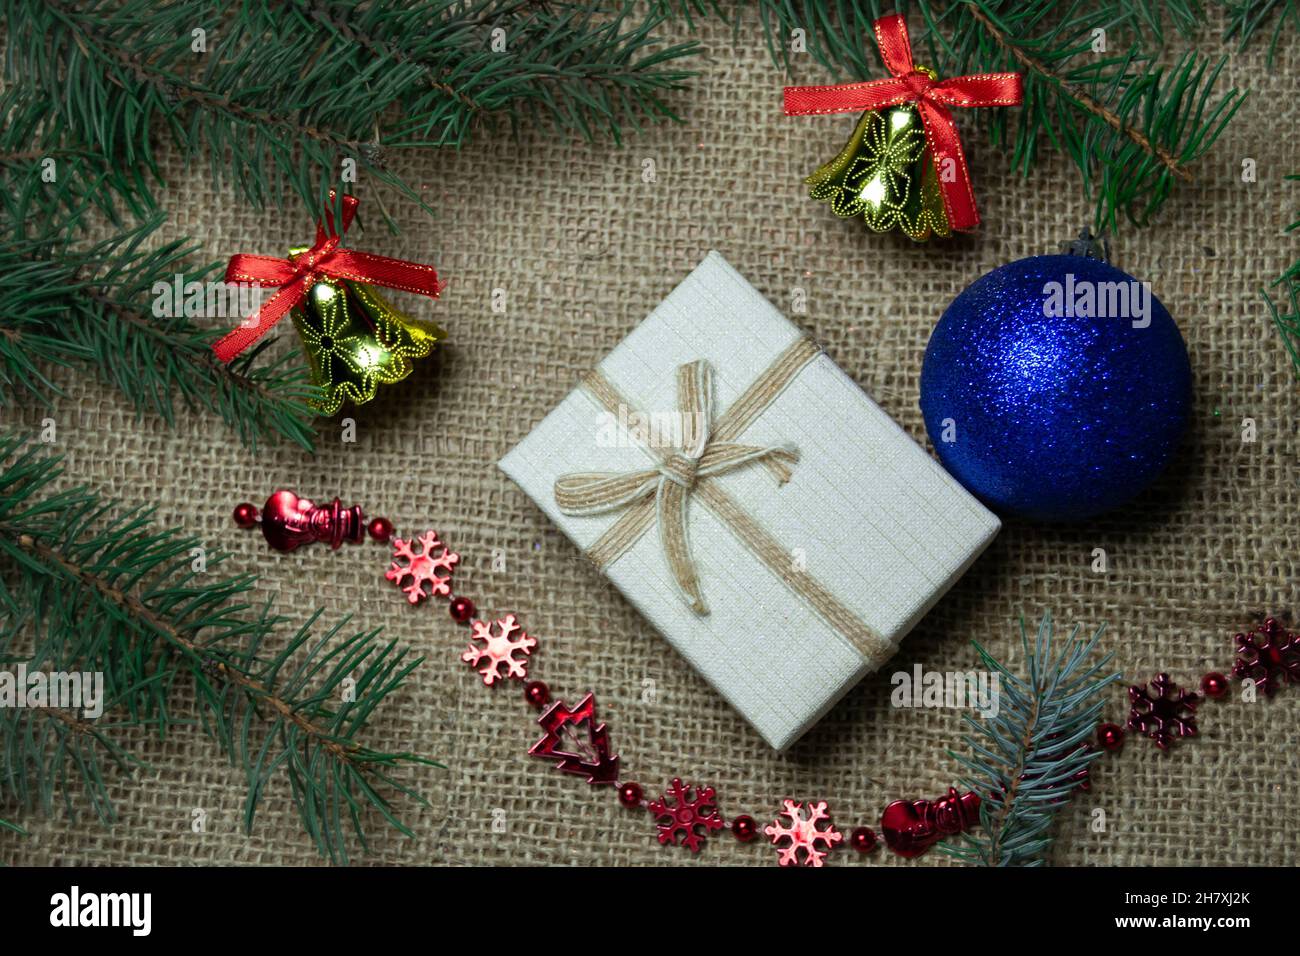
(584, 248)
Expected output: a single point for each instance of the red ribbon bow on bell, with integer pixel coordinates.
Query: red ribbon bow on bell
(296, 275)
(933, 98)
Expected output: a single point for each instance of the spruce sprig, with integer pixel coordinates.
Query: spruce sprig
(284, 97)
(66, 303)
(1023, 761)
(85, 586)
(1134, 125)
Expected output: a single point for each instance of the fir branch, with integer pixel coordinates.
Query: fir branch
(1024, 761)
(286, 93)
(90, 307)
(49, 175)
(1131, 125)
(91, 591)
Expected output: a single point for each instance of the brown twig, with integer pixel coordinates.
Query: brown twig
(1166, 158)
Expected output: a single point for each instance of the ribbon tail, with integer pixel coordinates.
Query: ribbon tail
(381, 270)
(671, 503)
(894, 43)
(230, 345)
(950, 166)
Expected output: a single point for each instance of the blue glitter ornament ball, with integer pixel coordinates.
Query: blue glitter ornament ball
(1056, 388)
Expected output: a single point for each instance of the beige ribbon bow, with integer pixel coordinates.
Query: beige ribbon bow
(673, 481)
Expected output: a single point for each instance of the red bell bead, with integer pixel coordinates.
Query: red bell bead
(461, 609)
(1214, 684)
(289, 522)
(629, 794)
(744, 828)
(537, 694)
(1110, 737)
(863, 839)
(246, 514)
(911, 827)
(381, 529)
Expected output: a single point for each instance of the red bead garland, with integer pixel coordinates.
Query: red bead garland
(246, 515)
(1160, 710)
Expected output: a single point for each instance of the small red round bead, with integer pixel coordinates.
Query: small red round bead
(629, 794)
(381, 529)
(246, 515)
(863, 839)
(1110, 736)
(744, 828)
(1214, 684)
(461, 609)
(537, 693)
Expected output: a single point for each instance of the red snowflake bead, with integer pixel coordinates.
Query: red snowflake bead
(863, 839)
(744, 828)
(683, 812)
(461, 609)
(500, 642)
(1214, 684)
(246, 514)
(432, 566)
(803, 833)
(1269, 656)
(1162, 711)
(630, 794)
(1111, 737)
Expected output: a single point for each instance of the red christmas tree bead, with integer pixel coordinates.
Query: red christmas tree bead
(246, 514)
(381, 529)
(1111, 737)
(461, 609)
(863, 839)
(539, 695)
(629, 794)
(744, 828)
(1214, 684)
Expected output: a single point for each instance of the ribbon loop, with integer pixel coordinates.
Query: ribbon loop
(909, 84)
(293, 277)
(673, 482)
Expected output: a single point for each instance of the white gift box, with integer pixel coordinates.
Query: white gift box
(809, 583)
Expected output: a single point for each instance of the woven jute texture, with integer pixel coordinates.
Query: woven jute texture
(582, 241)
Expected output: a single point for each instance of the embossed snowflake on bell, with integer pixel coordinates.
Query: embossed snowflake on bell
(356, 340)
(886, 175)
